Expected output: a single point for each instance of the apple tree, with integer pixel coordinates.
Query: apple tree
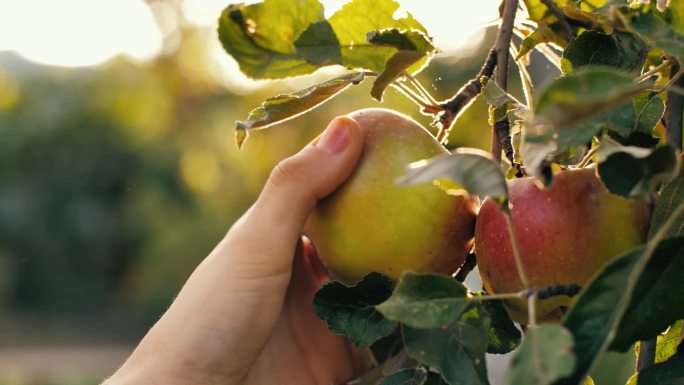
(615, 113)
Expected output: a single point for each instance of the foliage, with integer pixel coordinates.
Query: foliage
(604, 108)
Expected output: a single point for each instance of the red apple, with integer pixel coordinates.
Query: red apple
(565, 233)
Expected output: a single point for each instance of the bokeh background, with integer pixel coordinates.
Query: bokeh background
(118, 169)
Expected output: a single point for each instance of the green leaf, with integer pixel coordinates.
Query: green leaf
(670, 372)
(425, 300)
(565, 111)
(350, 311)
(473, 169)
(667, 342)
(639, 115)
(576, 97)
(543, 34)
(417, 376)
(621, 50)
(504, 337)
(457, 351)
(598, 310)
(657, 299)
(634, 171)
(544, 356)
(649, 109)
(261, 36)
(356, 19)
(671, 197)
(663, 30)
(279, 38)
(435, 379)
(501, 102)
(287, 106)
(412, 46)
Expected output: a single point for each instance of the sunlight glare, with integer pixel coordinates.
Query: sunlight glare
(75, 33)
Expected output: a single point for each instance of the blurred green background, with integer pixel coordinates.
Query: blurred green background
(117, 178)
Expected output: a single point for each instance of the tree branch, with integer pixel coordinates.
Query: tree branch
(466, 267)
(673, 112)
(464, 96)
(569, 34)
(647, 351)
(503, 41)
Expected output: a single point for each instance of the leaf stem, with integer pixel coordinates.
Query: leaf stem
(525, 77)
(421, 90)
(587, 158)
(653, 71)
(516, 250)
(532, 311)
(412, 95)
(490, 297)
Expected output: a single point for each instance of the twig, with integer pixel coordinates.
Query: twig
(569, 34)
(674, 108)
(502, 129)
(466, 267)
(570, 290)
(503, 41)
(647, 351)
(464, 97)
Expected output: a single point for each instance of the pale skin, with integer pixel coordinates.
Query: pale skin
(244, 316)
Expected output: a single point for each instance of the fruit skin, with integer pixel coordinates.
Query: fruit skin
(565, 233)
(372, 224)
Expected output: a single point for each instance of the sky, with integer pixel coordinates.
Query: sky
(83, 33)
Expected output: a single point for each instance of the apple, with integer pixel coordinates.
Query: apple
(371, 224)
(565, 234)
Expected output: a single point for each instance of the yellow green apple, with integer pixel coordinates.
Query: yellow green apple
(565, 233)
(370, 223)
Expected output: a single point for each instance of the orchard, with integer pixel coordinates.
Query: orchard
(574, 218)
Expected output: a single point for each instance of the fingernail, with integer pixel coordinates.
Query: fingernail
(336, 137)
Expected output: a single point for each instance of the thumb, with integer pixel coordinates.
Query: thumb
(294, 187)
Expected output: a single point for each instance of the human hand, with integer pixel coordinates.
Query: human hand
(244, 316)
